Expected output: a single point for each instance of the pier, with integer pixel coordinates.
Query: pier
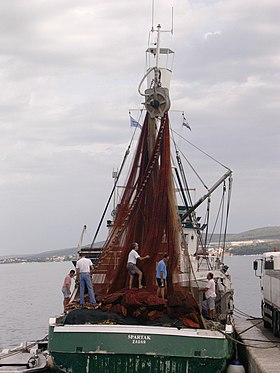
(259, 351)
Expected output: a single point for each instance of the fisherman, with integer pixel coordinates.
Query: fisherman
(161, 275)
(131, 264)
(84, 268)
(66, 288)
(210, 295)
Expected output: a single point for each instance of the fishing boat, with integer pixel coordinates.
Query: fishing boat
(134, 330)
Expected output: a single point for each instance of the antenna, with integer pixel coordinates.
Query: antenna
(153, 13)
(153, 18)
(172, 17)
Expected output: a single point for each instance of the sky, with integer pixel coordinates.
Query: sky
(69, 74)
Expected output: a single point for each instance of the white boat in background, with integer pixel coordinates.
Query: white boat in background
(28, 357)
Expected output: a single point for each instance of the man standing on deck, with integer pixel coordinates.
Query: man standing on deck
(66, 288)
(162, 275)
(210, 295)
(84, 269)
(131, 264)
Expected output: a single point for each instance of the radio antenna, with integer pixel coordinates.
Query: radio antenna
(153, 14)
(153, 17)
(172, 17)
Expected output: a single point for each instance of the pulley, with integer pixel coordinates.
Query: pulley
(157, 101)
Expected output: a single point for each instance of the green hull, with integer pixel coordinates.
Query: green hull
(121, 349)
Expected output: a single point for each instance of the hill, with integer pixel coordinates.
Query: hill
(265, 233)
(69, 252)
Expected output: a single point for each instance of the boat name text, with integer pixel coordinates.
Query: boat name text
(139, 338)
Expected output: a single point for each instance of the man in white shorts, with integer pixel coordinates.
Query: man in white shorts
(131, 264)
(210, 295)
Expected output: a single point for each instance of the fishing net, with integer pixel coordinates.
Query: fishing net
(146, 214)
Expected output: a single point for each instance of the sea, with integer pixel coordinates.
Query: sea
(31, 294)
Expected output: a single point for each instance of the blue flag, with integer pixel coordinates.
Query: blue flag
(134, 123)
(186, 124)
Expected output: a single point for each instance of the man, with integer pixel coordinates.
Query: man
(162, 275)
(210, 295)
(66, 288)
(84, 269)
(131, 265)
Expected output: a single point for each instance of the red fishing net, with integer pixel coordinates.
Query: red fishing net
(147, 214)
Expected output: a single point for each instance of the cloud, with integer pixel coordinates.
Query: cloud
(69, 74)
(210, 34)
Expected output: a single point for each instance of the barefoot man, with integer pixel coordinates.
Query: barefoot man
(131, 264)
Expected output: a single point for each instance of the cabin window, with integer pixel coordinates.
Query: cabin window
(269, 264)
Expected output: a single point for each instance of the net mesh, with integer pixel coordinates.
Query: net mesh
(147, 214)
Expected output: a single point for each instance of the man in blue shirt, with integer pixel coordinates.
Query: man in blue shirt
(161, 275)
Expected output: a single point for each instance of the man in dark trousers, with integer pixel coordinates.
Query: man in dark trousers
(162, 275)
(84, 269)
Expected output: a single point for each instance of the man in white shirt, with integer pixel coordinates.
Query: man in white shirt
(131, 264)
(84, 269)
(210, 295)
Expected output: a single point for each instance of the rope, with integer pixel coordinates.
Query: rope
(196, 147)
(237, 341)
(116, 181)
(148, 173)
(193, 169)
(110, 197)
(216, 222)
(245, 314)
(184, 179)
(250, 327)
(246, 344)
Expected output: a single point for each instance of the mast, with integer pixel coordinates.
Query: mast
(157, 101)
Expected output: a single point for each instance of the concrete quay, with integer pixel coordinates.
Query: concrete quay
(261, 353)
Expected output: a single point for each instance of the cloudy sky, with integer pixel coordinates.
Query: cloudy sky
(69, 73)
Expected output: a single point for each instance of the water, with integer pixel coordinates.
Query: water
(31, 293)
(247, 294)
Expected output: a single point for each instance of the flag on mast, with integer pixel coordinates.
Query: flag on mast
(185, 123)
(134, 123)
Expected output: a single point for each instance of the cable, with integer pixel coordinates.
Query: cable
(245, 314)
(208, 155)
(245, 344)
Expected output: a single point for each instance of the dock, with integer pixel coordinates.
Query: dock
(260, 350)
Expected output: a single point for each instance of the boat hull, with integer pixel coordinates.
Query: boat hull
(129, 348)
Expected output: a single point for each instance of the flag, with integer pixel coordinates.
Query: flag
(134, 123)
(186, 124)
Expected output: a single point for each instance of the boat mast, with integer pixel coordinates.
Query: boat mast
(157, 100)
